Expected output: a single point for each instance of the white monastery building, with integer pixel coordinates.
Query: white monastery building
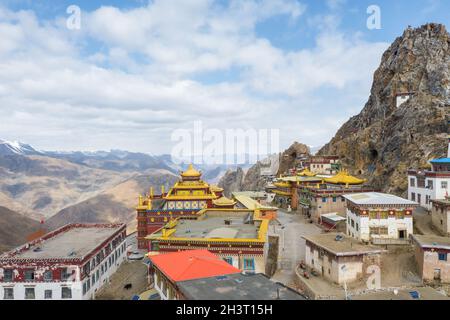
(427, 185)
(379, 218)
(72, 262)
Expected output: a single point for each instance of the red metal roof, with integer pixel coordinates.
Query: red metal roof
(192, 264)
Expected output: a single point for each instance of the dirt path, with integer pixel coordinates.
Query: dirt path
(292, 246)
(129, 272)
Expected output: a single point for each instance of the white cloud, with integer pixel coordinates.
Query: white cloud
(127, 78)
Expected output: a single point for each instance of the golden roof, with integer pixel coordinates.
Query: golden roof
(191, 172)
(344, 178)
(306, 173)
(215, 188)
(224, 201)
(282, 184)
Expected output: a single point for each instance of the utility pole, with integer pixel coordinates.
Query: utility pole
(344, 269)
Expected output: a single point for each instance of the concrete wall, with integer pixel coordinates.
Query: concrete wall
(330, 267)
(431, 263)
(441, 220)
(319, 208)
(272, 255)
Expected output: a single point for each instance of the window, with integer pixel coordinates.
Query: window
(400, 215)
(66, 293)
(430, 184)
(88, 284)
(324, 199)
(412, 182)
(353, 223)
(29, 293)
(48, 294)
(84, 288)
(357, 227)
(342, 199)
(373, 215)
(29, 276)
(64, 274)
(379, 230)
(8, 275)
(334, 199)
(228, 260)
(384, 215)
(98, 274)
(249, 264)
(48, 275)
(444, 184)
(413, 196)
(8, 294)
(442, 256)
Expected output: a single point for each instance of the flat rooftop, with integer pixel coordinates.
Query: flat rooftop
(333, 217)
(445, 202)
(301, 179)
(237, 287)
(251, 203)
(212, 226)
(377, 198)
(346, 246)
(75, 242)
(432, 241)
(251, 194)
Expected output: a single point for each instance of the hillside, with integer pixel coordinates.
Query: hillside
(14, 229)
(387, 138)
(41, 186)
(116, 204)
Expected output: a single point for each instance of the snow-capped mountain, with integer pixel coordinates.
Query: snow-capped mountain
(16, 148)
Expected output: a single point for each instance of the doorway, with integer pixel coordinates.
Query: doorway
(437, 274)
(402, 234)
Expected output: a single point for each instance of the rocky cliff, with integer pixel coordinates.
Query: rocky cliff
(388, 137)
(289, 158)
(253, 180)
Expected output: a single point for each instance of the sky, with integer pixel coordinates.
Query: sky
(131, 73)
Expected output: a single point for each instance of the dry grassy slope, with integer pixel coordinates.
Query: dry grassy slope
(40, 186)
(14, 228)
(116, 204)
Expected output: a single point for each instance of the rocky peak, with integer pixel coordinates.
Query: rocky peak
(404, 122)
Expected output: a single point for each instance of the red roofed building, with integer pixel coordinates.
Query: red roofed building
(168, 269)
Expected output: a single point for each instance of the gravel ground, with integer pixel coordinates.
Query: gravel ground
(292, 246)
(129, 272)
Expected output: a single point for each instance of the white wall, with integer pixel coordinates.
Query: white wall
(76, 284)
(393, 224)
(436, 193)
(402, 99)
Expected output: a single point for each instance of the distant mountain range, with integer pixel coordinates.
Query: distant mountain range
(102, 186)
(16, 148)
